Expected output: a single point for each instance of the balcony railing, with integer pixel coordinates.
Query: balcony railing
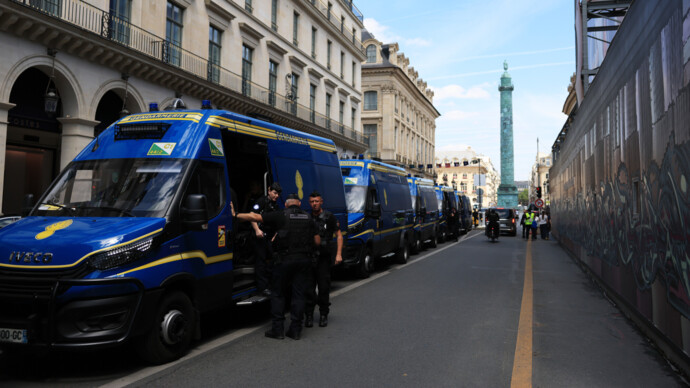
(335, 21)
(119, 31)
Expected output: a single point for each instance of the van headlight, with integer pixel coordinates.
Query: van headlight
(116, 257)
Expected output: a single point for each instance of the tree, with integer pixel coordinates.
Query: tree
(523, 197)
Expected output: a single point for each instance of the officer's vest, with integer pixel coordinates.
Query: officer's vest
(322, 224)
(529, 218)
(295, 238)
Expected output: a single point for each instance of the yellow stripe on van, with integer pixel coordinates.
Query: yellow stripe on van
(393, 229)
(267, 133)
(182, 256)
(350, 163)
(377, 167)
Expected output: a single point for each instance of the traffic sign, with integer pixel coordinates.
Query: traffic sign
(539, 202)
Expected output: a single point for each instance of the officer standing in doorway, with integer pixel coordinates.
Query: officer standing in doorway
(327, 226)
(295, 239)
(264, 234)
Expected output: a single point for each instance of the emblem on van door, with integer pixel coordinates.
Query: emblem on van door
(163, 149)
(299, 183)
(50, 229)
(216, 146)
(31, 257)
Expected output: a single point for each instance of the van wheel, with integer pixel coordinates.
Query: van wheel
(403, 253)
(442, 237)
(366, 265)
(417, 245)
(172, 331)
(432, 243)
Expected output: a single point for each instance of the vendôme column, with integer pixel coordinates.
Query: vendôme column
(507, 191)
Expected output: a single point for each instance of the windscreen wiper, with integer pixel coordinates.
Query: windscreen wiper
(62, 207)
(110, 208)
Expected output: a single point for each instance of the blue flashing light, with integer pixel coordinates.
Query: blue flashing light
(153, 107)
(206, 104)
(361, 156)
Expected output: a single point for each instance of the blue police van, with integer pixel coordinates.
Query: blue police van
(379, 213)
(426, 212)
(447, 204)
(135, 238)
(464, 213)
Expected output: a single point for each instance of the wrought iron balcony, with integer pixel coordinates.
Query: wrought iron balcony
(336, 22)
(99, 22)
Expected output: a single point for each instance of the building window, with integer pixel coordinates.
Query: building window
(173, 35)
(354, 72)
(330, 10)
(313, 42)
(352, 118)
(248, 5)
(354, 36)
(246, 70)
(328, 111)
(312, 102)
(396, 103)
(293, 93)
(328, 54)
(370, 100)
(342, 24)
(272, 82)
(120, 13)
(214, 54)
(369, 131)
(295, 28)
(342, 65)
(341, 116)
(464, 176)
(274, 15)
(371, 54)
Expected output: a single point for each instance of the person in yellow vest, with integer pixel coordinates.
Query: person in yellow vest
(529, 220)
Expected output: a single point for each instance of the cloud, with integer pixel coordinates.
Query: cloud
(456, 91)
(383, 34)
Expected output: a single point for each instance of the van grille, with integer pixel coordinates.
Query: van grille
(20, 283)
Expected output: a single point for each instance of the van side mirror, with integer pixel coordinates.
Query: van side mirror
(194, 212)
(28, 204)
(374, 211)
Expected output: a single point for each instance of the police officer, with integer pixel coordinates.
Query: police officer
(294, 242)
(327, 225)
(264, 234)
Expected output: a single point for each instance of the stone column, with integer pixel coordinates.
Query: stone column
(4, 109)
(507, 192)
(76, 134)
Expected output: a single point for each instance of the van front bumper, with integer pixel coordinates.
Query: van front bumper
(105, 312)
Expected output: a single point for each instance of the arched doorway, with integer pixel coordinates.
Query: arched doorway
(33, 139)
(108, 111)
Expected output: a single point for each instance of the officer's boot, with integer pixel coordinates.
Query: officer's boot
(323, 321)
(309, 320)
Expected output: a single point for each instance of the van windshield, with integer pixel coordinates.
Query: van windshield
(356, 198)
(114, 188)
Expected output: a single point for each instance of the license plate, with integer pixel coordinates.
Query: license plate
(13, 335)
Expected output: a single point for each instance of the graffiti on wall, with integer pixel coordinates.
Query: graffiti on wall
(641, 222)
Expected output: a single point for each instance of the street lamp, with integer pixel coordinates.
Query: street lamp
(480, 192)
(50, 97)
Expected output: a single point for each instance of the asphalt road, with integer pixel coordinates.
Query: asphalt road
(456, 316)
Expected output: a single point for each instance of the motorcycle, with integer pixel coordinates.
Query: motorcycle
(492, 232)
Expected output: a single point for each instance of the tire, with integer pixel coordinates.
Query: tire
(403, 253)
(417, 246)
(366, 264)
(442, 237)
(172, 331)
(433, 243)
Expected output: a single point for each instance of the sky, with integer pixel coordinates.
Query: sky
(458, 48)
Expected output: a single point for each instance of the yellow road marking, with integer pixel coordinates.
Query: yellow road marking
(522, 364)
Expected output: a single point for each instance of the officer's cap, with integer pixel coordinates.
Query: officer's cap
(276, 186)
(293, 196)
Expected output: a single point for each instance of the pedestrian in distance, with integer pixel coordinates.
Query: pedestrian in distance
(263, 236)
(535, 224)
(545, 225)
(328, 254)
(475, 218)
(525, 230)
(295, 239)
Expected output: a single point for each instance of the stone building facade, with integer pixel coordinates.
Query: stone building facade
(539, 177)
(460, 170)
(398, 114)
(295, 63)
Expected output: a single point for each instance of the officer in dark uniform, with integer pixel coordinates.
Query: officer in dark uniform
(327, 226)
(264, 234)
(294, 242)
